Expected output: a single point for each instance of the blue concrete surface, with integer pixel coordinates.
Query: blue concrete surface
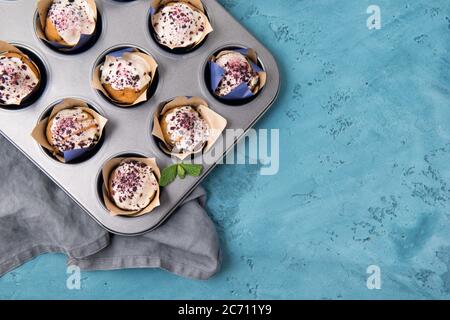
(365, 167)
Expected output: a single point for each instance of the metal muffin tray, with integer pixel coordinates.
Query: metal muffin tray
(129, 129)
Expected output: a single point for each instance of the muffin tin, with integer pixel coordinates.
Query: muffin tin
(128, 132)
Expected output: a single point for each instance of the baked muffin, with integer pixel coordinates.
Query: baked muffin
(237, 70)
(180, 25)
(184, 129)
(132, 185)
(72, 129)
(68, 20)
(19, 78)
(125, 79)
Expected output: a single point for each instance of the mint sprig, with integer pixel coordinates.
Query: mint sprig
(169, 174)
(181, 172)
(194, 170)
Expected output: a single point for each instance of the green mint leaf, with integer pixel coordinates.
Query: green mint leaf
(181, 172)
(168, 175)
(194, 170)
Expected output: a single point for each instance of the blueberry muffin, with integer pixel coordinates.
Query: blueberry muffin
(133, 185)
(237, 70)
(68, 20)
(125, 78)
(72, 129)
(19, 78)
(184, 129)
(180, 25)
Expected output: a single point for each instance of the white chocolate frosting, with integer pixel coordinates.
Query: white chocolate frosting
(179, 25)
(121, 73)
(186, 129)
(73, 129)
(17, 80)
(72, 18)
(237, 71)
(133, 185)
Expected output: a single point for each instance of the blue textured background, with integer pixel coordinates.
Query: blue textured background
(365, 167)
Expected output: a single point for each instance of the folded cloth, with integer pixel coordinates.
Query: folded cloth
(37, 217)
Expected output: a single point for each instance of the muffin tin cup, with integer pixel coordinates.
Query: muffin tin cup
(105, 175)
(72, 156)
(129, 130)
(198, 4)
(86, 40)
(43, 74)
(242, 94)
(119, 51)
(100, 181)
(216, 124)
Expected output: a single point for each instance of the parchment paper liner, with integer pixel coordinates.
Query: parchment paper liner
(239, 92)
(42, 8)
(153, 66)
(107, 170)
(5, 47)
(216, 123)
(39, 132)
(197, 4)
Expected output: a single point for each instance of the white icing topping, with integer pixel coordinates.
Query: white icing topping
(133, 185)
(120, 73)
(17, 80)
(186, 129)
(74, 129)
(237, 70)
(179, 25)
(72, 18)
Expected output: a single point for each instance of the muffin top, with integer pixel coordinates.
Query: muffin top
(72, 18)
(72, 129)
(237, 71)
(17, 79)
(184, 129)
(133, 185)
(179, 25)
(121, 73)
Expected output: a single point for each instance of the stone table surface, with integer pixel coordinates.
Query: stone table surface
(364, 167)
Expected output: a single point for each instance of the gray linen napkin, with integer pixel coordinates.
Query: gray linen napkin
(37, 217)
